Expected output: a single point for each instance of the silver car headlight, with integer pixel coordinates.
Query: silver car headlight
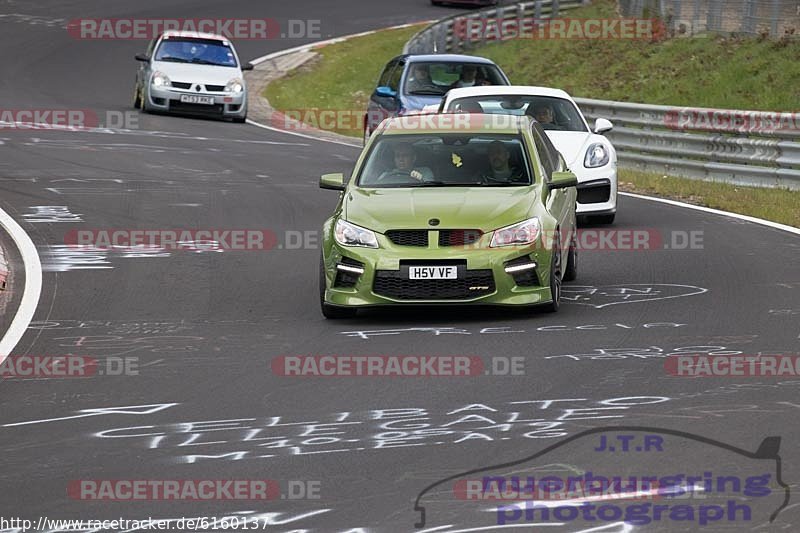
(348, 234)
(596, 156)
(524, 232)
(234, 86)
(160, 80)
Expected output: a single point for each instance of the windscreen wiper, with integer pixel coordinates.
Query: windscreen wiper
(199, 61)
(449, 184)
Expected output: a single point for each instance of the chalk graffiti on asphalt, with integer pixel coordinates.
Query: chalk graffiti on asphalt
(599, 354)
(439, 331)
(238, 439)
(606, 295)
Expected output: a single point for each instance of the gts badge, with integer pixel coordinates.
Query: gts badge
(479, 288)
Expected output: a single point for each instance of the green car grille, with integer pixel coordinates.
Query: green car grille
(408, 237)
(394, 284)
(447, 237)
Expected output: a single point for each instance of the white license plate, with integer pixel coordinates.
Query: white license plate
(432, 272)
(196, 99)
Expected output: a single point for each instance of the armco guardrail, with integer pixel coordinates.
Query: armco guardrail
(452, 34)
(742, 147)
(775, 18)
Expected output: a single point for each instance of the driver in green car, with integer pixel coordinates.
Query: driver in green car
(501, 171)
(404, 159)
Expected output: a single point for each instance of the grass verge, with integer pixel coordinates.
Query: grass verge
(341, 79)
(778, 205)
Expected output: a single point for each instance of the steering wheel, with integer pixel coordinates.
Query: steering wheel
(394, 173)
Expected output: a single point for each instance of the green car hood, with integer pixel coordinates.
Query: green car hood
(483, 208)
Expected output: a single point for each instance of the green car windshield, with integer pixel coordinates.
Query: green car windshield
(446, 160)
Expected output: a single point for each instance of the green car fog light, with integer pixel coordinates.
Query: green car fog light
(349, 268)
(511, 269)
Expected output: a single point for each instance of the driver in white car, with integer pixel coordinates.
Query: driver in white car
(544, 114)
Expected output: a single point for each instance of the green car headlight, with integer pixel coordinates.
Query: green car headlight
(348, 234)
(525, 232)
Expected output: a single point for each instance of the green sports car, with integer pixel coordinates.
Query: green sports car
(450, 209)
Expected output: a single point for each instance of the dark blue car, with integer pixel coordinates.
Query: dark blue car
(411, 82)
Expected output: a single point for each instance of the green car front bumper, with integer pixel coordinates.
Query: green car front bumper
(358, 276)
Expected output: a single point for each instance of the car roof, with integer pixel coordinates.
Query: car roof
(455, 122)
(491, 90)
(442, 58)
(195, 34)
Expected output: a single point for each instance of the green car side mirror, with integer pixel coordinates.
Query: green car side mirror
(332, 181)
(562, 180)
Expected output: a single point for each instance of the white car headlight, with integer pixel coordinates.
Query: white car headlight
(234, 86)
(348, 234)
(160, 80)
(525, 232)
(596, 156)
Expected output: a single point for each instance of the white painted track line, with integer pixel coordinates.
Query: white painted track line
(754, 220)
(33, 285)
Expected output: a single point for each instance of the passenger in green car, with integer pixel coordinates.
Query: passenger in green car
(501, 171)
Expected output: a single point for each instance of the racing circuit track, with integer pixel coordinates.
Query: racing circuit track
(205, 326)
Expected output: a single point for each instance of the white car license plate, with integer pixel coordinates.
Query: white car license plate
(196, 99)
(432, 272)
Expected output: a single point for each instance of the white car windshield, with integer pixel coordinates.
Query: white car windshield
(198, 51)
(552, 113)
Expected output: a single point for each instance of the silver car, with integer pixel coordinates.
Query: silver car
(192, 73)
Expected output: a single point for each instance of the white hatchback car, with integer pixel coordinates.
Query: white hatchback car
(588, 153)
(192, 73)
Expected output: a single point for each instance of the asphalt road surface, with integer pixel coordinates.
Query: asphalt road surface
(199, 329)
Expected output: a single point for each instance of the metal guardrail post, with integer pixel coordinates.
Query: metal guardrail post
(695, 17)
(554, 9)
(776, 13)
(537, 9)
(715, 15)
(749, 17)
(676, 14)
(484, 27)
